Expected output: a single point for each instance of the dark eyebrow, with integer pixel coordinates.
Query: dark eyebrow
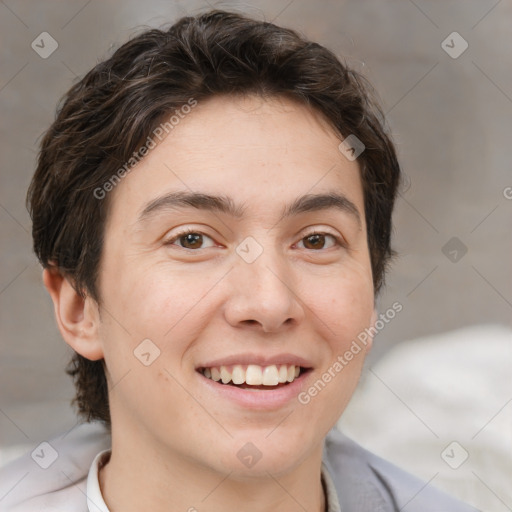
(225, 204)
(316, 202)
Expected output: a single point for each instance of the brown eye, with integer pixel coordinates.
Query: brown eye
(318, 241)
(191, 240)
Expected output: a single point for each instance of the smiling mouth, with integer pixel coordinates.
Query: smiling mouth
(253, 376)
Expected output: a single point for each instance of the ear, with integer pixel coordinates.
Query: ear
(77, 318)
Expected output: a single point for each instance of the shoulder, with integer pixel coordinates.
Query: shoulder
(365, 482)
(53, 478)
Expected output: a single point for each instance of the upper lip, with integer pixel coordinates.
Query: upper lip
(258, 359)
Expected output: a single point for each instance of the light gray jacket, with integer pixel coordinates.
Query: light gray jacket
(367, 483)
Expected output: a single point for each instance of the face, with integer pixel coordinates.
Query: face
(236, 250)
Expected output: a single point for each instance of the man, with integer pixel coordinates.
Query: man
(212, 209)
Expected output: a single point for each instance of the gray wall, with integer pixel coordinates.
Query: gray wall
(452, 120)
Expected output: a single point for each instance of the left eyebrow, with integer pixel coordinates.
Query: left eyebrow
(225, 204)
(317, 202)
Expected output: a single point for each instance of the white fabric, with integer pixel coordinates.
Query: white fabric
(27, 487)
(95, 501)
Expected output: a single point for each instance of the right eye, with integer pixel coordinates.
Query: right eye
(190, 239)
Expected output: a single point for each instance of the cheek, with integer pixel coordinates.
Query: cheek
(166, 307)
(344, 303)
(344, 308)
(152, 299)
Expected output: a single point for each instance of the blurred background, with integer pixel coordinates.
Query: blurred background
(436, 395)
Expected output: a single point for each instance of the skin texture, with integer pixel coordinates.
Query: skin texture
(174, 441)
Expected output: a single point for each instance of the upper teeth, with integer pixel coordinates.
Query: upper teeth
(253, 374)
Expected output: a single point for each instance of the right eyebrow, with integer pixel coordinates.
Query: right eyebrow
(223, 204)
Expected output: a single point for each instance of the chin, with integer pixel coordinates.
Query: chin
(257, 453)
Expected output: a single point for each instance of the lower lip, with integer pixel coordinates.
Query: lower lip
(258, 399)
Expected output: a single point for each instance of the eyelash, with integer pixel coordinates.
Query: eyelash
(338, 241)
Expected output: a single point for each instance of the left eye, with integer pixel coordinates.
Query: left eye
(191, 240)
(318, 241)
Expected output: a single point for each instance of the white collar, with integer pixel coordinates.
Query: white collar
(95, 501)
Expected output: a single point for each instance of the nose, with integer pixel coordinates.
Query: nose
(263, 295)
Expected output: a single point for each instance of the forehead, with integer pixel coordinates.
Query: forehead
(265, 152)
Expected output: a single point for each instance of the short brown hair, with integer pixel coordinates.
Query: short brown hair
(105, 116)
